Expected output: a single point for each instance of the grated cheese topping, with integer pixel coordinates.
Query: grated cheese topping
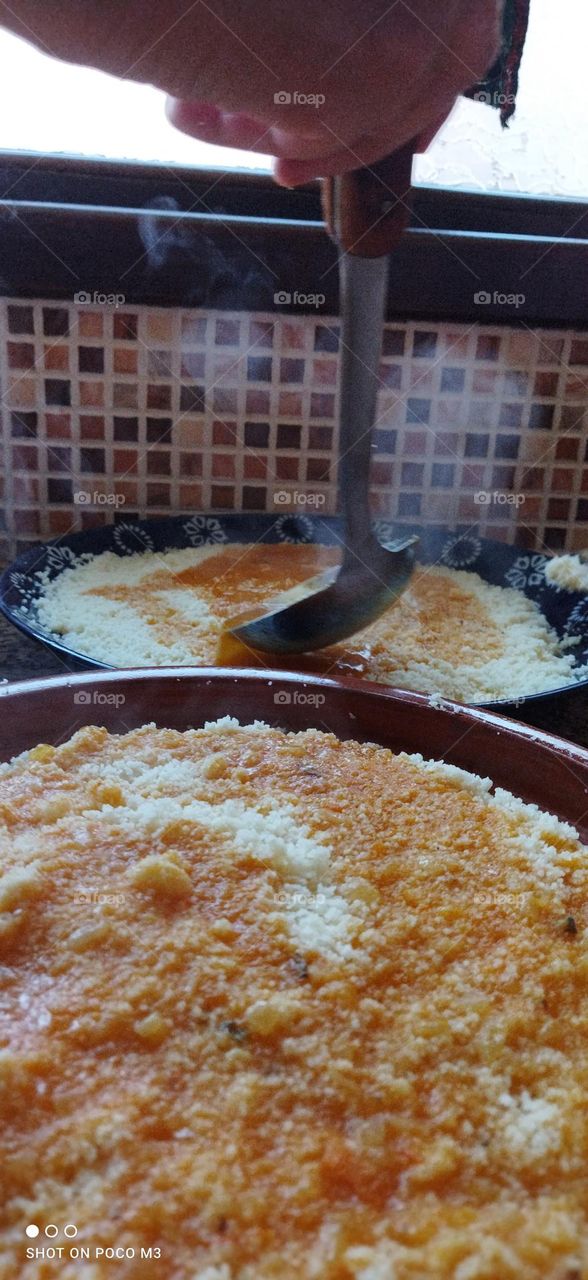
(569, 573)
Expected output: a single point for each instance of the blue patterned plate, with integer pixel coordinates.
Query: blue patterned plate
(495, 562)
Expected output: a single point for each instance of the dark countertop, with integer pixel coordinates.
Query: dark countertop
(25, 659)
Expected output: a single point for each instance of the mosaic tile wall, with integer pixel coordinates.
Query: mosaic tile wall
(113, 414)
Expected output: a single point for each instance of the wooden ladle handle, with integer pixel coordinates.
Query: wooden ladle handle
(367, 210)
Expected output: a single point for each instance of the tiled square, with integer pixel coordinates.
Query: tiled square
(225, 433)
(290, 404)
(511, 415)
(125, 463)
(159, 364)
(227, 333)
(409, 504)
(59, 491)
(257, 402)
(294, 335)
(92, 460)
(158, 495)
(193, 365)
(90, 324)
(257, 435)
(160, 326)
(22, 392)
(418, 410)
(223, 466)
(447, 443)
(222, 496)
(487, 347)
(391, 376)
(159, 430)
(484, 381)
(125, 327)
(317, 469)
(320, 438)
(124, 360)
(125, 429)
(382, 473)
(193, 331)
(414, 443)
(91, 359)
(326, 338)
(125, 395)
(259, 369)
(158, 462)
(394, 342)
(56, 357)
(452, 379)
(541, 417)
(412, 473)
(21, 355)
(443, 475)
(292, 370)
(287, 468)
(92, 394)
(289, 436)
(424, 344)
(550, 350)
(322, 405)
(579, 352)
(191, 497)
(568, 448)
(507, 447)
(21, 319)
(477, 446)
(254, 498)
(191, 464)
(254, 468)
(58, 391)
(385, 441)
(516, 383)
(58, 459)
(261, 333)
(546, 384)
(58, 426)
(191, 399)
(55, 322)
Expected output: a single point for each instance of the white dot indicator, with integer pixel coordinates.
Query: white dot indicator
(31, 1231)
(70, 1231)
(52, 1231)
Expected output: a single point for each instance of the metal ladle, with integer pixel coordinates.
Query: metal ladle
(366, 211)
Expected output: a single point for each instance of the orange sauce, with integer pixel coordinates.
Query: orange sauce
(434, 618)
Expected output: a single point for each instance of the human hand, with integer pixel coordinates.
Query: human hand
(361, 79)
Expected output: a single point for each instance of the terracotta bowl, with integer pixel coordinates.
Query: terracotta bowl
(539, 768)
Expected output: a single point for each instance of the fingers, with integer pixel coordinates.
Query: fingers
(247, 133)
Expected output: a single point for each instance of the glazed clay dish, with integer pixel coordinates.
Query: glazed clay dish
(294, 985)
